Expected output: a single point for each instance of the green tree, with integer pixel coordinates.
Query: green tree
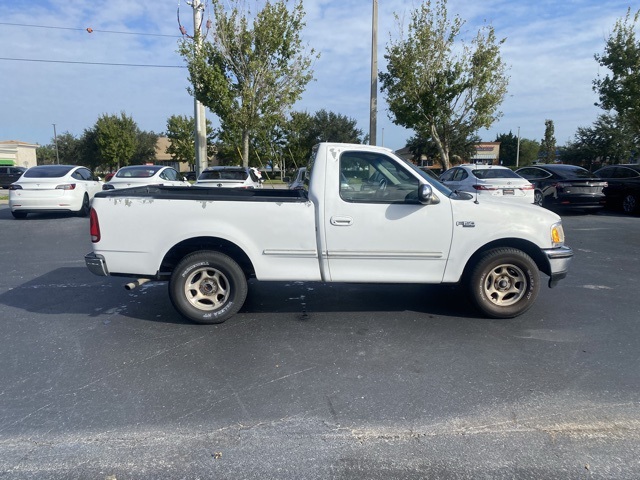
(460, 148)
(116, 139)
(606, 141)
(508, 149)
(439, 85)
(68, 149)
(303, 131)
(249, 76)
(145, 147)
(181, 135)
(619, 90)
(89, 152)
(529, 151)
(46, 155)
(548, 143)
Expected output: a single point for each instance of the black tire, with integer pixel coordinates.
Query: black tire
(85, 208)
(629, 203)
(19, 215)
(207, 287)
(504, 283)
(538, 198)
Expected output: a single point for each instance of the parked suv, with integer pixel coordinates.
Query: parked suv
(8, 175)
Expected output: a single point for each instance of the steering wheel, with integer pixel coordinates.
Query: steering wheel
(382, 185)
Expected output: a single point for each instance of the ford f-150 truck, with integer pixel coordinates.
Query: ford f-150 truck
(368, 216)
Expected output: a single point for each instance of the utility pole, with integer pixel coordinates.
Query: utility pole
(199, 111)
(518, 150)
(55, 141)
(373, 112)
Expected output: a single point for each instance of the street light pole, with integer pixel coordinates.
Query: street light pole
(55, 140)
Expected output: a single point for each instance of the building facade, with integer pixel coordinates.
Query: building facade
(19, 154)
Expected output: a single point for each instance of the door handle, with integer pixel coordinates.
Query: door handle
(341, 221)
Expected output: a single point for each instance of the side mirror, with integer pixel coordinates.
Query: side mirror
(425, 194)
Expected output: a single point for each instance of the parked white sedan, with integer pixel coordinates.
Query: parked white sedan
(493, 181)
(53, 188)
(140, 175)
(229, 177)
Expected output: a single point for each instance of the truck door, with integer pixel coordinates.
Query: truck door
(375, 230)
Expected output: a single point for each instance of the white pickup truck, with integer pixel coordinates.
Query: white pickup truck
(368, 217)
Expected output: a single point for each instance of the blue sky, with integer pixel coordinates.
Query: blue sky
(549, 47)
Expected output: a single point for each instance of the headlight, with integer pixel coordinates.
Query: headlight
(557, 235)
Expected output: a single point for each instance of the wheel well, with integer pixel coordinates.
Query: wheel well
(186, 247)
(527, 247)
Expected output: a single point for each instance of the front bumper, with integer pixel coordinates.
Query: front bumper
(96, 264)
(559, 261)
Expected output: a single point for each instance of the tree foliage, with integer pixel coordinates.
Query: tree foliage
(304, 130)
(508, 149)
(116, 139)
(461, 149)
(253, 70)
(145, 147)
(182, 145)
(548, 143)
(619, 90)
(438, 84)
(607, 141)
(529, 150)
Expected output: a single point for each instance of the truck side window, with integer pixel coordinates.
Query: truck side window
(368, 177)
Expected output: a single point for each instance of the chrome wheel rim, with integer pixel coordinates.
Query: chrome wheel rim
(207, 289)
(505, 285)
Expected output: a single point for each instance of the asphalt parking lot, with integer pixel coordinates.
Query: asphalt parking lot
(316, 381)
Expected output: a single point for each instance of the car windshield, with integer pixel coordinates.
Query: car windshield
(137, 172)
(48, 171)
(224, 175)
(488, 173)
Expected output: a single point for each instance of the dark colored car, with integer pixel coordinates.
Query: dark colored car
(565, 186)
(623, 186)
(10, 174)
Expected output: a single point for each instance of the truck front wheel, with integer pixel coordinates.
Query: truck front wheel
(504, 283)
(207, 287)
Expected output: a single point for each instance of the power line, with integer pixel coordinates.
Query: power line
(91, 63)
(89, 30)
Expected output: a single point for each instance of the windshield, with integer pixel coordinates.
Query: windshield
(48, 171)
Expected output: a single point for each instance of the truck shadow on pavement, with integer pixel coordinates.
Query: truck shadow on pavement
(74, 291)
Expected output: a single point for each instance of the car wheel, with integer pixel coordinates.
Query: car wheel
(504, 283)
(85, 208)
(538, 198)
(629, 203)
(208, 287)
(19, 215)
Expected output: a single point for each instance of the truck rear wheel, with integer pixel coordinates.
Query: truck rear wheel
(504, 283)
(207, 287)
